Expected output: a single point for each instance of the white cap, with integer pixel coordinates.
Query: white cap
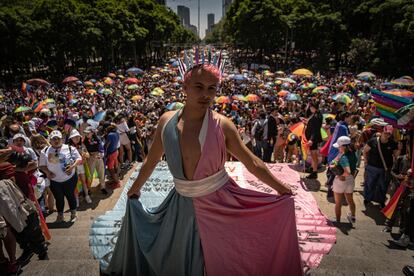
(55, 133)
(378, 122)
(342, 141)
(19, 135)
(74, 133)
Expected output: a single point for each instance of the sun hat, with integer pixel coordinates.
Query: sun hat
(55, 133)
(342, 141)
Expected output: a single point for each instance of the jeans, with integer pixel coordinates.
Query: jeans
(260, 149)
(267, 155)
(31, 238)
(66, 189)
(375, 184)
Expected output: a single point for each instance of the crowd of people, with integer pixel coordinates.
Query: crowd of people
(56, 138)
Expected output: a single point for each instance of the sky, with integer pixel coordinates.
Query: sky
(206, 7)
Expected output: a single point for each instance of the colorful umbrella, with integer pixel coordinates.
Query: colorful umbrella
(289, 80)
(223, 100)
(49, 103)
(405, 114)
(133, 87)
(283, 93)
(40, 82)
(320, 89)
(155, 76)
(112, 75)
(157, 91)
(37, 107)
(106, 91)
(238, 97)
(342, 98)
(131, 81)
(327, 115)
(286, 85)
(403, 81)
(308, 86)
(91, 91)
(239, 77)
(108, 81)
(267, 73)
(175, 106)
(366, 76)
(363, 96)
(22, 109)
(134, 71)
(136, 98)
(401, 93)
(70, 79)
(252, 98)
(280, 73)
(88, 83)
(293, 97)
(302, 72)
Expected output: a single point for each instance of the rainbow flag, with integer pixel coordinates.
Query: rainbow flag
(388, 210)
(304, 146)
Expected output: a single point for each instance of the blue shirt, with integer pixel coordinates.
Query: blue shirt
(111, 142)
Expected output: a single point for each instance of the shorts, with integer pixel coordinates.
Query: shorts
(80, 169)
(123, 139)
(112, 160)
(346, 186)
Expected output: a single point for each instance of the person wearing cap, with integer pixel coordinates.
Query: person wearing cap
(379, 155)
(94, 147)
(75, 140)
(344, 181)
(59, 162)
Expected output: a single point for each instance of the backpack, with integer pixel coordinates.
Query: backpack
(258, 134)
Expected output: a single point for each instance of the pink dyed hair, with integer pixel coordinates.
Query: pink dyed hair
(204, 66)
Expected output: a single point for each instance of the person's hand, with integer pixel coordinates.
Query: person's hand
(132, 193)
(284, 189)
(69, 169)
(50, 175)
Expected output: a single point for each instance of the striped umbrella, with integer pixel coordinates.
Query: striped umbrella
(223, 100)
(252, 98)
(403, 81)
(308, 86)
(366, 76)
(22, 109)
(175, 106)
(342, 98)
(238, 97)
(320, 89)
(401, 93)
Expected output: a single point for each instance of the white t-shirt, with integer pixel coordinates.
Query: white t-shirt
(57, 159)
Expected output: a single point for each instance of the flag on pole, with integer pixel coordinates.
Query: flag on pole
(388, 210)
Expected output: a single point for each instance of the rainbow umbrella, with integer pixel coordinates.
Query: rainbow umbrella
(133, 87)
(342, 98)
(223, 100)
(366, 76)
(108, 81)
(238, 97)
(405, 114)
(70, 79)
(302, 72)
(38, 106)
(289, 80)
(308, 86)
(404, 81)
(22, 109)
(401, 93)
(39, 82)
(320, 89)
(106, 91)
(292, 97)
(131, 81)
(283, 93)
(252, 98)
(49, 103)
(136, 98)
(88, 83)
(175, 106)
(91, 91)
(157, 91)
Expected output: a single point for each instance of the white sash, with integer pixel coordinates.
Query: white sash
(202, 187)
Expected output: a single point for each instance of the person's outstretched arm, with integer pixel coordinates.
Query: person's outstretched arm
(154, 155)
(253, 164)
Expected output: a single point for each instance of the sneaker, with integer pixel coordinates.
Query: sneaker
(73, 216)
(13, 268)
(351, 218)
(104, 191)
(404, 241)
(312, 175)
(88, 199)
(387, 229)
(43, 256)
(60, 218)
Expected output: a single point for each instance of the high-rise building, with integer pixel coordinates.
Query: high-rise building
(226, 5)
(193, 29)
(184, 13)
(210, 23)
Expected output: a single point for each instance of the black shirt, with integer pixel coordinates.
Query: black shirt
(374, 158)
(93, 144)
